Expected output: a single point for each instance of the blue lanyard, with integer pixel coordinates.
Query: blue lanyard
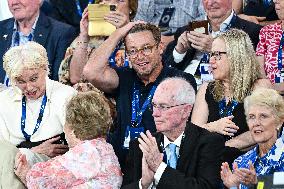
(266, 3)
(137, 113)
(226, 110)
(39, 119)
(112, 61)
(279, 61)
(79, 9)
(17, 38)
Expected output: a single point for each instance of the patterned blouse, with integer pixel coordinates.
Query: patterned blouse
(272, 162)
(91, 164)
(269, 41)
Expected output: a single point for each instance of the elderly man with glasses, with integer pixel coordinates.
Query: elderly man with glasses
(133, 87)
(181, 154)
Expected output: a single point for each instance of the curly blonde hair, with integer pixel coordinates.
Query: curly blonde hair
(28, 56)
(268, 98)
(88, 114)
(244, 67)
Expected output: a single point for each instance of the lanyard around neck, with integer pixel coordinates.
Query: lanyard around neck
(137, 113)
(227, 110)
(39, 119)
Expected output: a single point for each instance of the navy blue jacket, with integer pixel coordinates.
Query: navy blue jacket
(55, 36)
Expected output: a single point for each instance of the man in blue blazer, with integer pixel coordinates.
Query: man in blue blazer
(29, 24)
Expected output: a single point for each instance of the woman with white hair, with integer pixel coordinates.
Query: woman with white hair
(219, 104)
(264, 110)
(32, 110)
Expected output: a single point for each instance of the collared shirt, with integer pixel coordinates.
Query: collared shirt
(53, 117)
(22, 38)
(123, 96)
(192, 67)
(185, 12)
(272, 161)
(163, 165)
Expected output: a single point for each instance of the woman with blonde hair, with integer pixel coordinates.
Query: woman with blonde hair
(32, 109)
(90, 162)
(264, 110)
(219, 104)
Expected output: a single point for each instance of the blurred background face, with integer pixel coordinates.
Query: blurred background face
(32, 83)
(262, 124)
(217, 8)
(279, 8)
(121, 5)
(24, 9)
(219, 63)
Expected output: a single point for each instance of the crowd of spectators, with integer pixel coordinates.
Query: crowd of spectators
(181, 94)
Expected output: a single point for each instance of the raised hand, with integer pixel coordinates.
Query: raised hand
(247, 176)
(183, 44)
(228, 177)
(200, 41)
(116, 18)
(149, 147)
(21, 167)
(84, 24)
(147, 174)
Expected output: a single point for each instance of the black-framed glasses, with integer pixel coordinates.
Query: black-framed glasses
(146, 50)
(216, 54)
(162, 107)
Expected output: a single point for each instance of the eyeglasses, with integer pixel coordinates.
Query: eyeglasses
(216, 54)
(146, 50)
(165, 107)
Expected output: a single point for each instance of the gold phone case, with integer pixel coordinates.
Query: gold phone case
(97, 25)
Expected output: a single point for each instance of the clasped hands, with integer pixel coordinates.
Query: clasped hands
(152, 158)
(238, 175)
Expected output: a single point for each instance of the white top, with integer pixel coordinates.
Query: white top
(4, 10)
(53, 118)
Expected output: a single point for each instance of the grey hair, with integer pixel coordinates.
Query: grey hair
(28, 56)
(268, 98)
(184, 92)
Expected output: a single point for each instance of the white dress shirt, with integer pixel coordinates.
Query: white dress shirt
(163, 165)
(53, 118)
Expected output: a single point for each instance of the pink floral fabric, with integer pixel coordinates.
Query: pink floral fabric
(91, 164)
(269, 41)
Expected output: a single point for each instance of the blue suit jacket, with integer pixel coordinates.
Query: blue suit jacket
(55, 36)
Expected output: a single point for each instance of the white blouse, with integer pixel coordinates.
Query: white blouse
(53, 118)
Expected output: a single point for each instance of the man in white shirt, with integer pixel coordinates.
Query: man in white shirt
(187, 51)
(181, 154)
